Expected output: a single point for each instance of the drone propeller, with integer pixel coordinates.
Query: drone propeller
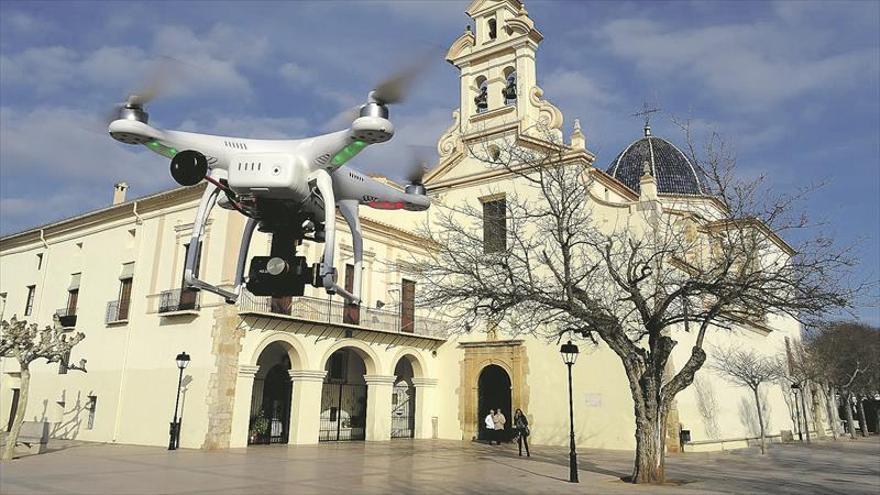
(158, 81)
(421, 156)
(394, 89)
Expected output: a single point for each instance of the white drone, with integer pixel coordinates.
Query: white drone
(289, 188)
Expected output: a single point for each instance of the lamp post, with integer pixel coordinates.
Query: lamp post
(797, 411)
(803, 410)
(174, 440)
(569, 353)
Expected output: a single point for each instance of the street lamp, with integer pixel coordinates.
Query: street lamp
(569, 353)
(797, 411)
(174, 440)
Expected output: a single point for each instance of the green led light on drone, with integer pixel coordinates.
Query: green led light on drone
(347, 153)
(162, 149)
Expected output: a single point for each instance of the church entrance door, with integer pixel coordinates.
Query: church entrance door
(493, 393)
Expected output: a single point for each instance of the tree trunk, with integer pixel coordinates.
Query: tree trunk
(650, 461)
(847, 411)
(816, 409)
(831, 410)
(863, 420)
(12, 439)
(760, 421)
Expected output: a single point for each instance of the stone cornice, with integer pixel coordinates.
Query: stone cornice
(380, 379)
(424, 382)
(491, 343)
(307, 375)
(128, 210)
(247, 370)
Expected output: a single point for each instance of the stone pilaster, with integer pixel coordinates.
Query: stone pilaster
(225, 348)
(379, 390)
(305, 410)
(425, 409)
(241, 413)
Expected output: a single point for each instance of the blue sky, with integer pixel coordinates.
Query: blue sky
(795, 86)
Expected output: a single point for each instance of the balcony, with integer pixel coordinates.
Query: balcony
(179, 301)
(66, 317)
(334, 313)
(117, 312)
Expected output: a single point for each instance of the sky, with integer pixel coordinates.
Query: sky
(793, 86)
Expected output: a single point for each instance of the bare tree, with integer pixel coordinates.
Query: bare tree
(847, 355)
(639, 279)
(747, 368)
(26, 343)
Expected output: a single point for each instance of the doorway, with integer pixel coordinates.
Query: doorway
(344, 398)
(271, 398)
(403, 401)
(493, 392)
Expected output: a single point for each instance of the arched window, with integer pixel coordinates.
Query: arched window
(509, 90)
(493, 31)
(482, 99)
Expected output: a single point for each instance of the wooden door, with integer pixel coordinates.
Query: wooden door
(408, 306)
(351, 314)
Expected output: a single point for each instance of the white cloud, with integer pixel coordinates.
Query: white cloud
(297, 74)
(756, 64)
(250, 127)
(62, 144)
(565, 84)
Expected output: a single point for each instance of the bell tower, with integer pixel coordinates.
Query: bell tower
(498, 83)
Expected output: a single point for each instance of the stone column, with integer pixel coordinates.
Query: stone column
(379, 390)
(241, 409)
(425, 408)
(305, 406)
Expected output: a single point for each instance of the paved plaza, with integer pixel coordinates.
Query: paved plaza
(427, 467)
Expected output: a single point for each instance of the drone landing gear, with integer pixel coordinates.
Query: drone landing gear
(190, 274)
(348, 209)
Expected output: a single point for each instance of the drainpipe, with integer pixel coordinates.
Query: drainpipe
(137, 217)
(38, 309)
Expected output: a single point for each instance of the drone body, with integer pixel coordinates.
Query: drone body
(289, 188)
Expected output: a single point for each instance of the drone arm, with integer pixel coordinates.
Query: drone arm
(349, 211)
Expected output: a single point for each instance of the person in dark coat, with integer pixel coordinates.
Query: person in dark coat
(521, 424)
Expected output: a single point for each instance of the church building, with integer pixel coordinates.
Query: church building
(297, 370)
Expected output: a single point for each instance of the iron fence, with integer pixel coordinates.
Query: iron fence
(116, 311)
(330, 311)
(178, 300)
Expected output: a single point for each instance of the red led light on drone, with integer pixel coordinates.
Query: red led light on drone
(387, 205)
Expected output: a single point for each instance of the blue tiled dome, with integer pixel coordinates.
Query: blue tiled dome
(670, 167)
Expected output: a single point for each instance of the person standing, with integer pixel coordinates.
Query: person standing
(521, 423)
(490, 425)
(499, 420)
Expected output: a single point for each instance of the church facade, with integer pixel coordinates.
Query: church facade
(300, 370)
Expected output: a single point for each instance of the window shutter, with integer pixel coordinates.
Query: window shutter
(127, 271)
(74, 281)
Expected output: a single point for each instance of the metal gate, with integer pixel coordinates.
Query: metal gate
(343, 412)
(403, 411)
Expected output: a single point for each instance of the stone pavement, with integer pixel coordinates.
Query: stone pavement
(433, 466)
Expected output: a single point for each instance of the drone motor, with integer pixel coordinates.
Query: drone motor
(189, 167)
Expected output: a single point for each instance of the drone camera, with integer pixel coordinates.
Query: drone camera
(189, 167)
(279, 276)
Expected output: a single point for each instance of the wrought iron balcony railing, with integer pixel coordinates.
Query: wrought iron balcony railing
(117, 311)
(66, 317)
(178, 300)
(335, 312)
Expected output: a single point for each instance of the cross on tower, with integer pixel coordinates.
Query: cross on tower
(646, 112)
